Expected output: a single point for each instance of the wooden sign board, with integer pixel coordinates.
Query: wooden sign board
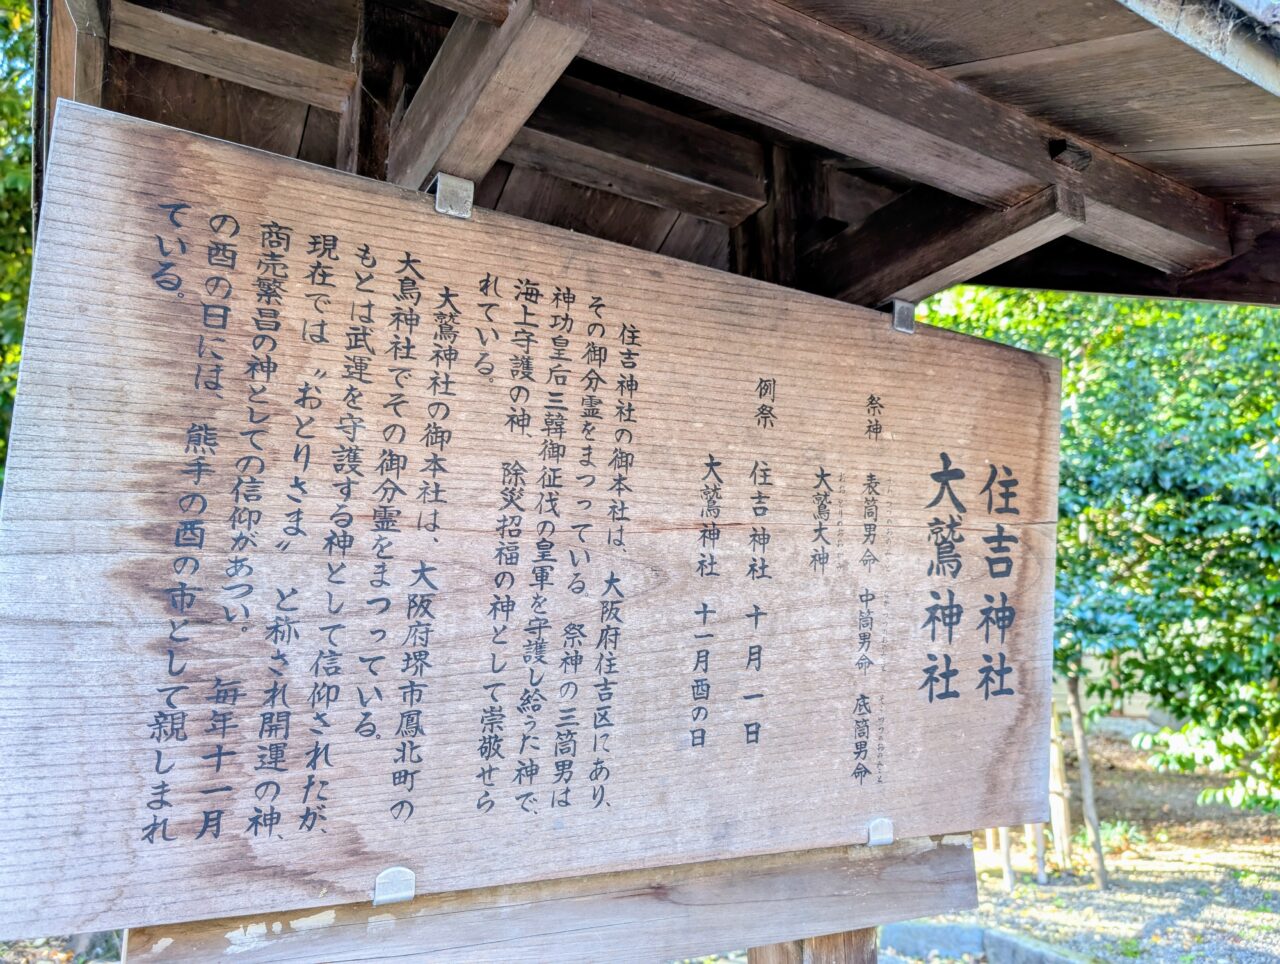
(339, 534)
(664, 914)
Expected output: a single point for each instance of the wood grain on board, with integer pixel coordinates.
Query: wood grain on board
(839, 673)
(319, 30)
(1248, 175)
(631, 916)
(936, 33)
(161, 92)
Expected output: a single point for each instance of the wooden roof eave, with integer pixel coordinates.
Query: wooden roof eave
(759, 60)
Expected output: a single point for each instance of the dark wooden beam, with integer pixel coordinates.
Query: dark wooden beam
(482, 87)
(926, 241)
(602, 139)
(852, 198)
(167, 94)
(1069, 265)
(764, 245)
(766, 62)
(196, 46)
(394, 50)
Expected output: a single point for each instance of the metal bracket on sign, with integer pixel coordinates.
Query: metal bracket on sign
(454, 196)
(904, 316)
(879, 832)
(393, 886)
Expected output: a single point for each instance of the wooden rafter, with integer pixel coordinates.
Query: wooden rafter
(579, 132)
(196, 46)
(482, 87)
(604, 140)
(926, 241)
(778, 67)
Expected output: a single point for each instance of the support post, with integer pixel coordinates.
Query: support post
(850, 947)
(1006, 859)
(763, 246)
(77, 47)
(70, 65)
(394, 50)
(1035, 846)
(1059, 794)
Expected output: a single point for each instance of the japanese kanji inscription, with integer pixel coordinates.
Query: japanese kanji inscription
(339, 534)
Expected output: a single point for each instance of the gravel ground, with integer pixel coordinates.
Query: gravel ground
(1167, 903)
(1204, 886)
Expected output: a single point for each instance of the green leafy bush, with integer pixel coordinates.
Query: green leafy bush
(16, 39)
(1117, 836)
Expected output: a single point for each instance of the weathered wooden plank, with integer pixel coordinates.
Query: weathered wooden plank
(482, 87)
(926, 241)
(702, 242)
(1245, 175)
(635, 916)
(840, 92)
(187, 43)
(161, 92)
(1142, 91)
(76, 53)
(936, 33)
(319, 144)
(615, 143)
(319, 30)
(896, 115)
(541, 197)
(873, 107)
(852, 675)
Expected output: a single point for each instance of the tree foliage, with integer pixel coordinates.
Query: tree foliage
(1169, 517)
(16, 48)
